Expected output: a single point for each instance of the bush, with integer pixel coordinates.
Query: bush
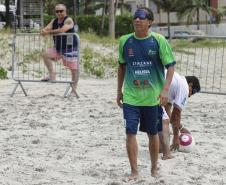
(48, 18)
(92, 65)
(3, 73)
(88, 23)
(98, 65)
(123, 25)
(92, 23)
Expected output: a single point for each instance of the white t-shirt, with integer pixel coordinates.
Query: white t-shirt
(178, 92)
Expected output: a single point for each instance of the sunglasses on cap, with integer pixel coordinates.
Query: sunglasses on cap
(59, 11)
(141, 14)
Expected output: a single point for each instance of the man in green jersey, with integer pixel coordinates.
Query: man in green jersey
(143, 56)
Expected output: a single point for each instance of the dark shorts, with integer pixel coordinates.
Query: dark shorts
(159, 121)
(147, 116)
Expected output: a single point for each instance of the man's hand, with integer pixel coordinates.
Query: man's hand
(44, 32)
(119, 99)
(163, 97)
(175, 144)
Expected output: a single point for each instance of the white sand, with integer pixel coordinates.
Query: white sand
(46, 139)
(50, 140)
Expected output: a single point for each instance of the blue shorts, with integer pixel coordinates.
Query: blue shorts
(147, 116)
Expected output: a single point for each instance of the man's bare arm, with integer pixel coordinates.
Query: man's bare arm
(175, 119)
(49, 27)
(121, 74)
(164, 93)
(68, 24)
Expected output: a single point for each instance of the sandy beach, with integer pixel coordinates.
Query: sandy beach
(47, 139)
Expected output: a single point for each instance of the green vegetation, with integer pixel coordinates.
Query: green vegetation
(96, 64)
(3, 73)
(92, 65)
(32, 56)
(38, 74)
(4, 52)
(6, 31)
(197, 43)
(92, 37)
(4, 45)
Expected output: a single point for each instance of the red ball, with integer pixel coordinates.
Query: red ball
(186, 142)
(185, 139)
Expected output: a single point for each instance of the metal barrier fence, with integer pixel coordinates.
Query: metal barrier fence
(205, 58)
(27, 58)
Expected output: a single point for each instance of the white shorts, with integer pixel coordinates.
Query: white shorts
(165, 115)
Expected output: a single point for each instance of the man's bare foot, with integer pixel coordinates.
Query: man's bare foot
(49, 78)
(154, 172)
(74, 94)
(132, 177)
(53, 77)
(46, 79)
(165, 157)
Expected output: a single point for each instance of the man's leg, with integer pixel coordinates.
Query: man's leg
(72, 63)
(74, 78)
(47, 57)
(132, 151)
(160, 141)
(154, 151)
(164, 140)
(131, 116)
(164, 135)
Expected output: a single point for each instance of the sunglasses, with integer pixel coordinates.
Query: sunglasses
(59, 11)
(140, 14)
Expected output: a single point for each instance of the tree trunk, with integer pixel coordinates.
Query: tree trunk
(42, 2)
(168, 24)
(122, 6)
(198, 22)
(74, 8)
(102, 17)
(7, 15)
(21, 7)
(146, 3)
(116, 6)
(86, 3)
(17, 17)
(111, 19)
